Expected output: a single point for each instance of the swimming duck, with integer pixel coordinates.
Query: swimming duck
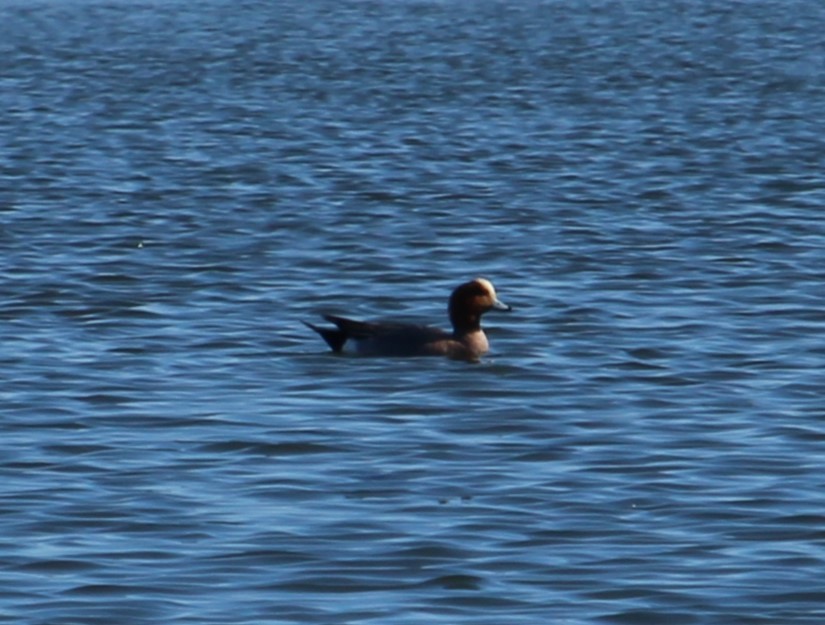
(466, 342)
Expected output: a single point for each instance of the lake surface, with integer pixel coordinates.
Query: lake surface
(182, 183)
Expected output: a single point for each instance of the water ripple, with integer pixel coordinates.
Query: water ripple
(180, 188)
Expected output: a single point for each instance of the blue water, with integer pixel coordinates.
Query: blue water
(182, 183)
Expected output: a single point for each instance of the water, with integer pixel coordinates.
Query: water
(181, 184)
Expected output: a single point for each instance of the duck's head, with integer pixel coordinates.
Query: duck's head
(471, 300)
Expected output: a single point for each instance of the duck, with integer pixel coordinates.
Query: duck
(468, 302)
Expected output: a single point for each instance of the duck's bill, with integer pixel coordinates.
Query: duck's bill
(499, 305)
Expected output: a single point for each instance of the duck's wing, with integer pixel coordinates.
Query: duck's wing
(354, 329)
(345, 329)
(387, 337)
(385, 329)
(411, 340)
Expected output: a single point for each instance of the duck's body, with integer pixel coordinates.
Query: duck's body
(467, 341)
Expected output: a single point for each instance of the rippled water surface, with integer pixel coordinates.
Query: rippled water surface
(182, 183)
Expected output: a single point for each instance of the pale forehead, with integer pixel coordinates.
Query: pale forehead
(487, 285)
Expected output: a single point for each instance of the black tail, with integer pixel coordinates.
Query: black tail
(334, 338)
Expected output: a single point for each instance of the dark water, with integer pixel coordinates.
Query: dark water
(181, 183)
